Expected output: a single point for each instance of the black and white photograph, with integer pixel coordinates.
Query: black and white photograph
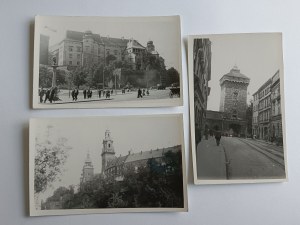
(237, 108)
(107, 165)
(101, 62)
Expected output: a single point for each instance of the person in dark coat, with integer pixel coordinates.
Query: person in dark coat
(147, 92)
(84, 93)
(140, 93)
(76, 94)
(144, 92)
(218, 136)
(53, 94)
(99, 93)
(73, 95)
(41, 94)
(47, 95)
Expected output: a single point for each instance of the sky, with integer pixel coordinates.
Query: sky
(164, 32)
(85, 135)
(258, 56)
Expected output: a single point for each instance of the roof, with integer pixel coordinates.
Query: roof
(133, 157)
(235, 75)
(78, 36)
(115, 41)
(215, 115)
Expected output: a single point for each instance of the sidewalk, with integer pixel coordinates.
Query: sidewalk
(211, 163)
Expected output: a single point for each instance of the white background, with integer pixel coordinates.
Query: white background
(245, 204)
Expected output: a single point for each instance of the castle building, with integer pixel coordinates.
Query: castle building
(114, 167)
(87, 48)
(202, 74)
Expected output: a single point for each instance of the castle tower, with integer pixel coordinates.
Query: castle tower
(150, 46)
(87, 170)
(108, 151)
(233, 102)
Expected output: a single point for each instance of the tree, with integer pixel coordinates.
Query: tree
(46, 74)
(172, 76)
(50, 157)
(110, 58)
(78, 77)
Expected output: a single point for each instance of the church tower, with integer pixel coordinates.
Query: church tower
(108, 151)
(233, 102)
(87, 170)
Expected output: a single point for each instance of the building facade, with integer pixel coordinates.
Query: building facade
(255, 128)
(267, 120)
(276, 115)
(202, 75)
(44, 49)
(87, 48)
(264, 110)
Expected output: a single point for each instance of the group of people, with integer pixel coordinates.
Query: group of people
(142, 93)
(49, 94)
(87, 93)
(74, 94)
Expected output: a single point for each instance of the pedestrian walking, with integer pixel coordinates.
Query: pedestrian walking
(84, 93)
(73, 95)
(144, 92)
(99, 93)
(218, 137)
(41, 94)
(147, 92)
(139, 93)
(76, 94)
(47, 95)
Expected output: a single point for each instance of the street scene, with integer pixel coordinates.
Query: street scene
(118, 63)
(95, 163)
(238, 108)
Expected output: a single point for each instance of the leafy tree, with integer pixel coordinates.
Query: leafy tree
(78, 77)
(110, 58)
(49, 159)
(46, 73)
(172, 76)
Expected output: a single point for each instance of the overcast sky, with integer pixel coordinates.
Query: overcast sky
(135, 133)
(258, 56)
(163, 31)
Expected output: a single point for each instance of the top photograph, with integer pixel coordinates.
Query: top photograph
(107, 62)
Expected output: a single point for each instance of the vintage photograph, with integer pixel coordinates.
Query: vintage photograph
(237, 108)
(107, 165)
(100, 62)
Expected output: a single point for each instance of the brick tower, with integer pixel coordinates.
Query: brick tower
(233, 102)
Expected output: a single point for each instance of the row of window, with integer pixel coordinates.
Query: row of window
(264, 103)
(71, 48)
(71, 63)
(71, 56)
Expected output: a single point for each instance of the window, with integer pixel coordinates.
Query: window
(78, 49)
(71, 48)
(78, 63)
(78, 56)
(70, 62)
(70, 56)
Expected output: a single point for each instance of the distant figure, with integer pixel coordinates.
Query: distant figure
(218, 137)
(99, 93)
(53, 94)
(147, 92)
(73, 95)
(112, 91)
(84, 93)
(140, 93)
(41, 94)
(47, 95)
(104, 92)
(76, 94)
(107, 94)
(144, 92)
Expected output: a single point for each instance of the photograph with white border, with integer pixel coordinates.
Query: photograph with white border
(107, 165)
(103, 62)
(237, 122)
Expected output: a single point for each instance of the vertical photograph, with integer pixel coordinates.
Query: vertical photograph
(107, 165)
(100, 62)
(237, 108)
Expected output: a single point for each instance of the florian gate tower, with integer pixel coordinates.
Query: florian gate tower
(233, 102)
